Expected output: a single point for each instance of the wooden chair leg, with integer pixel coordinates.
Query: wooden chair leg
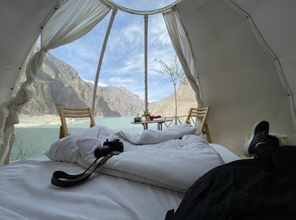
(207, 131)
(61, 132)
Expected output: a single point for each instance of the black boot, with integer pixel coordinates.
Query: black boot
(259, 135)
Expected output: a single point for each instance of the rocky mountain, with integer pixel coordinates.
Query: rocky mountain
(59, 84)
(166, 106)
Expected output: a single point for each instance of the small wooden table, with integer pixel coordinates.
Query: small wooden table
(159, 123)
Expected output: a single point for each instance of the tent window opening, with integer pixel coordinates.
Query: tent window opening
(123, 61)
(142, 7)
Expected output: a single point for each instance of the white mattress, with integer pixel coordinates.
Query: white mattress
(26, 193)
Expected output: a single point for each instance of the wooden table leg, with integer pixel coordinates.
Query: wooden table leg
(145, 126)
(159, 126)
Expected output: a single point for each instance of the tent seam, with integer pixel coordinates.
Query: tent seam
(263, 43)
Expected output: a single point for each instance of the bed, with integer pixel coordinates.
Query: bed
(149, 178)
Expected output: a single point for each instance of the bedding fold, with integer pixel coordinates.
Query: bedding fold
(173, 159)
(154, 137)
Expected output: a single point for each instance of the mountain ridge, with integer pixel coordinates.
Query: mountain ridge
(58, 83)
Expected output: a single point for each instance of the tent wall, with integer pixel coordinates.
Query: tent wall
(20, 23)
(238, 77)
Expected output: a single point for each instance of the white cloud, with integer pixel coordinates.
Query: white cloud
(99, 83)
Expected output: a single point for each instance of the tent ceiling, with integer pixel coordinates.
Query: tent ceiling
(20, 23)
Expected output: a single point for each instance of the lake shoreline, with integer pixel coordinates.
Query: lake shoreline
(46, 120)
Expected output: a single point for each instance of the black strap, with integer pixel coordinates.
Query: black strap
(62, 179)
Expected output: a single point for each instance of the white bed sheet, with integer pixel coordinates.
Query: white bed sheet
(26, 192)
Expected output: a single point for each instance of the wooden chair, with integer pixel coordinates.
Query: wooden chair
(67, 112)
(200, 115)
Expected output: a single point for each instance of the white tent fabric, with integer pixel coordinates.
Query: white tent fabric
(20, 24)
(70, 22)
(183, 50)
(244, 55)
(269, 52)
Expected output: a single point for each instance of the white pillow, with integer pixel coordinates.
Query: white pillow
(66, 149)
(87, 147)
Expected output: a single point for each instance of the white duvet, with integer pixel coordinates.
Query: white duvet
(173, 158)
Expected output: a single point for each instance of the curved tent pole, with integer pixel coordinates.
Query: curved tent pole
(268, 50)
(101, 58)
(103, 52)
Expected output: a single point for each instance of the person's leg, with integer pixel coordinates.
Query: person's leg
(264, 152)
(283, 160)
(265, 148)
(260, 136)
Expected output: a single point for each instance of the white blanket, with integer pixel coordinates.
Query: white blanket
(173, 158)
(155, 137)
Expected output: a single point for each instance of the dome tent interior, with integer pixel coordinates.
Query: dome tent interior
(243, 53)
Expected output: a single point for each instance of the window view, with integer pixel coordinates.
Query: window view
(68, 73)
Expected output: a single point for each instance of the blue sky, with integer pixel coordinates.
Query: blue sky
(123, 63)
